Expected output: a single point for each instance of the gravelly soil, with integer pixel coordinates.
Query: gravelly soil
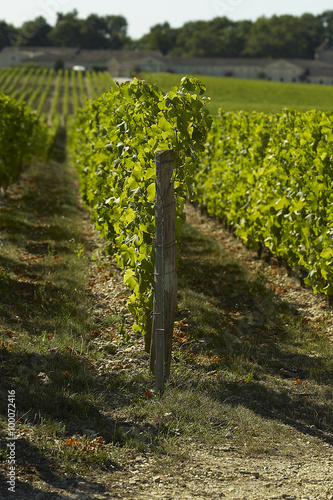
(212, 473)
(208, 474)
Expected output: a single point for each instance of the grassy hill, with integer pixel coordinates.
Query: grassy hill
(233, 94)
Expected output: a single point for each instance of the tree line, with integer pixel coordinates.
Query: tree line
(276, 36)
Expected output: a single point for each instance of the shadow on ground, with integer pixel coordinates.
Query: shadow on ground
(248, 331)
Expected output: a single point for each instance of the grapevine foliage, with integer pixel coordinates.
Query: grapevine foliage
(22, 137)
(271, 177)
(113, 148)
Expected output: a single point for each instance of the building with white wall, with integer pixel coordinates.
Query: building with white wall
(125, 63)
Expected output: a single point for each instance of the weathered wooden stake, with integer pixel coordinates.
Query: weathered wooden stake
(165, 282)
(160, 368)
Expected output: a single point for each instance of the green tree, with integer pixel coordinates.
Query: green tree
(260, 42)
(240, 36)
(312, 33)
(283, 36)
(93, 33)
(277, 36)
(108, 32)
(59, 64)
(161, 37)
(67, 31)
(194, 39)
(8, 34)
(34, 33)
(116, 32)
(229, 36)
(219, 37)
(326, 19)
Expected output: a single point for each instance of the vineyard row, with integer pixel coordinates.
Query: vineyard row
(113, 148)
(23, 136)
(51, 92)
(271, 177)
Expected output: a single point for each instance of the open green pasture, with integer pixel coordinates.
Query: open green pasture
(234, 94)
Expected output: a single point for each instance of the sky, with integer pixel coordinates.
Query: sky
(141, 15)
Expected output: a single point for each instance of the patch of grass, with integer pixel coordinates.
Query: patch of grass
(39, 289)
(77, 453)
(237, 340)
(46, 326)
(113, 319)
(234, 94)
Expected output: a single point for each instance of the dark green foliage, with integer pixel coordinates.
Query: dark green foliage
(59, 65)
(22, 137)
(276, 36)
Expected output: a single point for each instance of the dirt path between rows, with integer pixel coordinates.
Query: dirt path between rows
(208, 474)
(212, 473)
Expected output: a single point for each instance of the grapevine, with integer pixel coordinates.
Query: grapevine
(46, 92)
(270, 177)
(65, 102)
(113, 148)
(22, 137)
(56, 97)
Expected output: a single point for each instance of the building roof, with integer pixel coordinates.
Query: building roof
(31, 51)
(217, 61)
(78, 55)
(83, 57)
(315, 67)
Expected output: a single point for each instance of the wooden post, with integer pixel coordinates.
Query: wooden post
(149, 329)
(160, 363)
(165, 282)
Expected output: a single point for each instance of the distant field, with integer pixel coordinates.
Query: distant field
(234, 94)
(50, 93)
(63, 93)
